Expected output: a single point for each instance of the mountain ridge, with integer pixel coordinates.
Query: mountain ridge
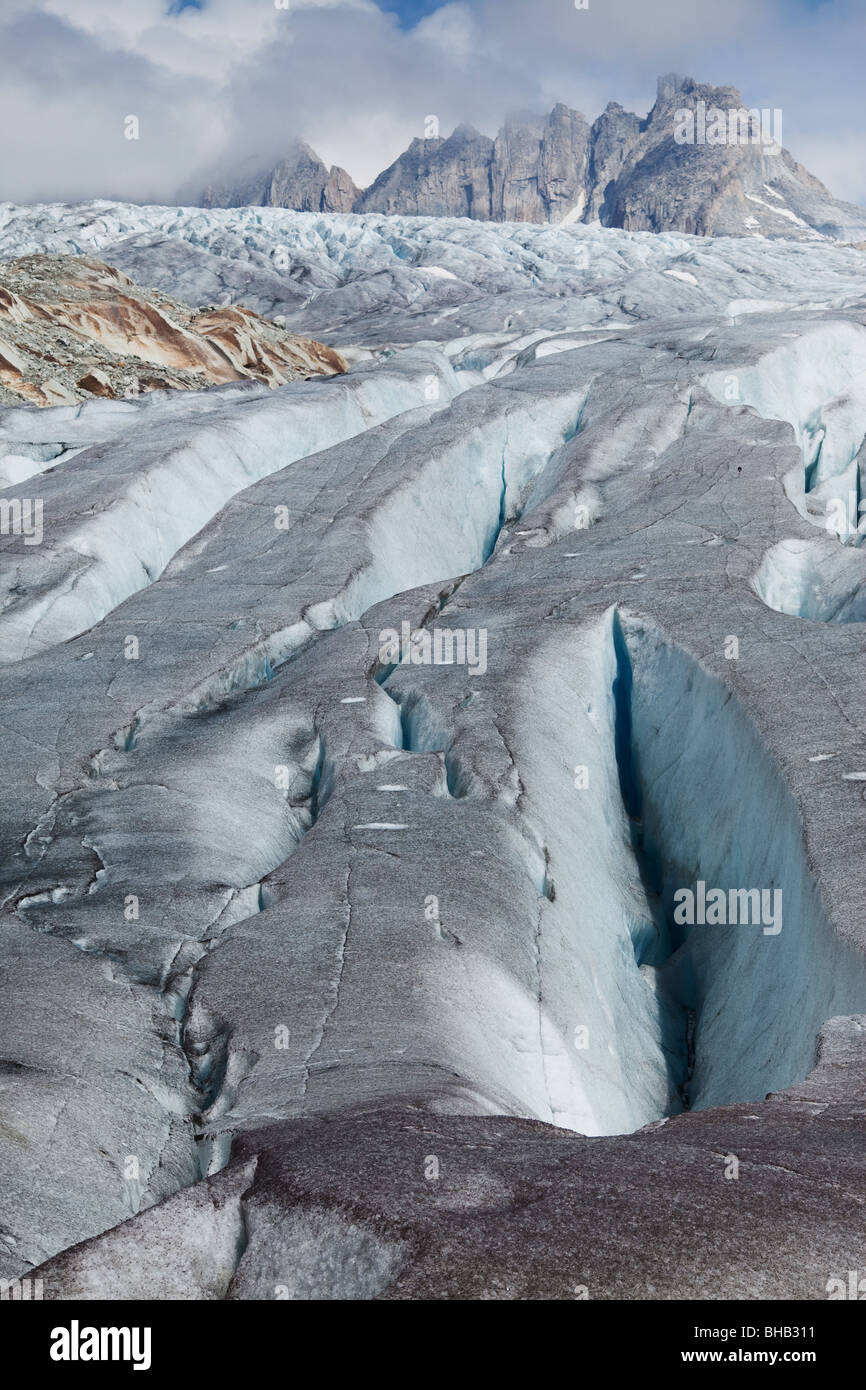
(622, 170)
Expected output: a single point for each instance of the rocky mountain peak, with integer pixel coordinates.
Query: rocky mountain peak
(698, 162)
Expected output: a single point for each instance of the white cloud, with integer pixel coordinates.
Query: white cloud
(240, 76)
(453, 30)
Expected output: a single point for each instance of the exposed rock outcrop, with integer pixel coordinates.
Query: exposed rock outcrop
(72, 327)
(437, 178)
(726, 181)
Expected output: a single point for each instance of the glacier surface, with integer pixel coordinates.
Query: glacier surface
(285, 892)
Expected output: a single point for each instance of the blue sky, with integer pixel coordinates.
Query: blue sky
(409, 11)
(217, 82)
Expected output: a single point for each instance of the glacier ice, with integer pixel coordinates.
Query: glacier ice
(288, 894)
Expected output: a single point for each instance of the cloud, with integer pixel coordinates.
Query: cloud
(235, 78)
(453, 30)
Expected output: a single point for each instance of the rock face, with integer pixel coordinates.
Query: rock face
(615, 135)
(436, 178)
(540, 167)
(72, 327)
(361, 739)
(299, 181)
(729, 188)
(623, 171)
(534, 171)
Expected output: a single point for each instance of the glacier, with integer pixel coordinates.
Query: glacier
(286, 916)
